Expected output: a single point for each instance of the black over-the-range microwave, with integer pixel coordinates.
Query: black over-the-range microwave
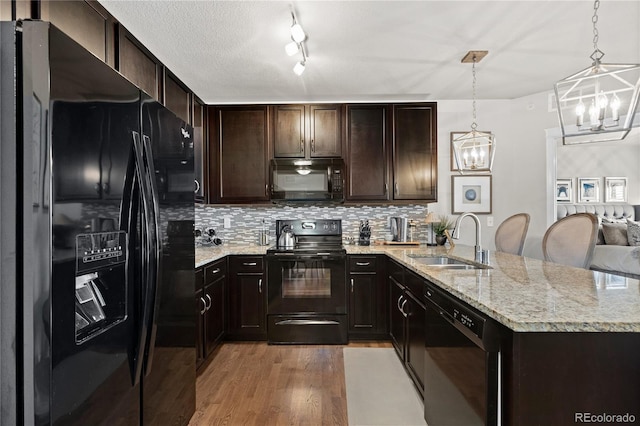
(318, 179)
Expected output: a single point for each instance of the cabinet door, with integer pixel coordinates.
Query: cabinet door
(367, 152)
(136, 63)
(87, 22)
(201, 308)
(247, 298)
(247, 312)
(416, 315)
(214, 329)
(396, 317)
(199, 150)
(325, 131)
(177, 97)
(289, 131)
(363, 302)
(242, 166)
(415, 165)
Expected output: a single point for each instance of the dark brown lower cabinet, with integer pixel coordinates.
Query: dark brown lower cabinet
(247, 298)
(210, 307)
(407, 321)
(367, 298)
(571, 378)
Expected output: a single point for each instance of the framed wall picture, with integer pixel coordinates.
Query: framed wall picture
(564, 190)
(615, 190)
(588, 190)
(471, 193)
(453, 136)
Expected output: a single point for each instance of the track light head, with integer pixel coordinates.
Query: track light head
(292, 48)
(297, 33)
(298, 68)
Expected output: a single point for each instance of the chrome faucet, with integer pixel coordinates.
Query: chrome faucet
(456, 233)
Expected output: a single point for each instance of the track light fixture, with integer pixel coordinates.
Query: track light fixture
(298, 37)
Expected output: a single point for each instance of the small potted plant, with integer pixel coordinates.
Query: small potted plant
(439, 227)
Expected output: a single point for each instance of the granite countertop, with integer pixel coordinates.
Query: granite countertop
(524, 294)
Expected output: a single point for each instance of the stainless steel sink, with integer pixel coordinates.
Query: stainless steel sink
(444, 262)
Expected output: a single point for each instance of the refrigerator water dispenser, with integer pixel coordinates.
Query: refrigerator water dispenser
(100, 282)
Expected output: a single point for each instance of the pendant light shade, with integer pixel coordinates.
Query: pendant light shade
(474, 151)
(598, 103)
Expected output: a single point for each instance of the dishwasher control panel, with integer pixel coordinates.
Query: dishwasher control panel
(469, 320)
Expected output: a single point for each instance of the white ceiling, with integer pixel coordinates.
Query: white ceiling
(233, 51)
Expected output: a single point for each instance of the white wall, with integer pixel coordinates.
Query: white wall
(520, 167)
(599, 160)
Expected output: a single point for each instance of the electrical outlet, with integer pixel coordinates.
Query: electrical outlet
(227, 222)
(489, 221)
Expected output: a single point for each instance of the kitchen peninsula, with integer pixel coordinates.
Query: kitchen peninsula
(571, 336)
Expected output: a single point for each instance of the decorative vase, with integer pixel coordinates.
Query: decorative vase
(441, 239)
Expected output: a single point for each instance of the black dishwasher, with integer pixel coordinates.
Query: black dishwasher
(462, 363)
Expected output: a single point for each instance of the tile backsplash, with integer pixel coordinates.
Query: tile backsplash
(246, 221)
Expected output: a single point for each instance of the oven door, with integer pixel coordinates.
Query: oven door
(306, 284)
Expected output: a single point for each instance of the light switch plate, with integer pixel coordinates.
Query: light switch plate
(227, 222)
(489, 221)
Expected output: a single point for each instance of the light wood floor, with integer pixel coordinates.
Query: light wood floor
(252, 383)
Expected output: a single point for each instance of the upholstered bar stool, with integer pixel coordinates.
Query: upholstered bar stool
(511, 233)
(571, 240)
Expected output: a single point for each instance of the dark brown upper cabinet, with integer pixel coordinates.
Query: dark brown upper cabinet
(136, 63)
(366, 147)
(177, 96)
(239, 157)
(200, 149)
(87, 22)
(414, 151)
(307, 131)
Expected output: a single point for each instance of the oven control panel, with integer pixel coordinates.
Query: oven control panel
(310, 227)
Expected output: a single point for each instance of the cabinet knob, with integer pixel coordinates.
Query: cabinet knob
(301, 145)
(197, 189)
(313, 145)
(215, 271)
(351, 285)
(363, 263)
(260, 286)
(396, 187)
(210, 302)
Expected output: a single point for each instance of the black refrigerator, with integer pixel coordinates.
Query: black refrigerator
(97, 321)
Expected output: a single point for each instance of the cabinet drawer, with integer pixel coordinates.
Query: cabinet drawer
(362, 264)
(214, 271)
(246, 264)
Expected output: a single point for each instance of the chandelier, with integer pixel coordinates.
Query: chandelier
(474, 151)
(598, 103)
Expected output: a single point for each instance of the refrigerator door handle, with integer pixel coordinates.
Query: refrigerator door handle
(146, 237)
(155, 253)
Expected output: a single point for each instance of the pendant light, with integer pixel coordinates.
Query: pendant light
(598, 103)
(474, 151)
